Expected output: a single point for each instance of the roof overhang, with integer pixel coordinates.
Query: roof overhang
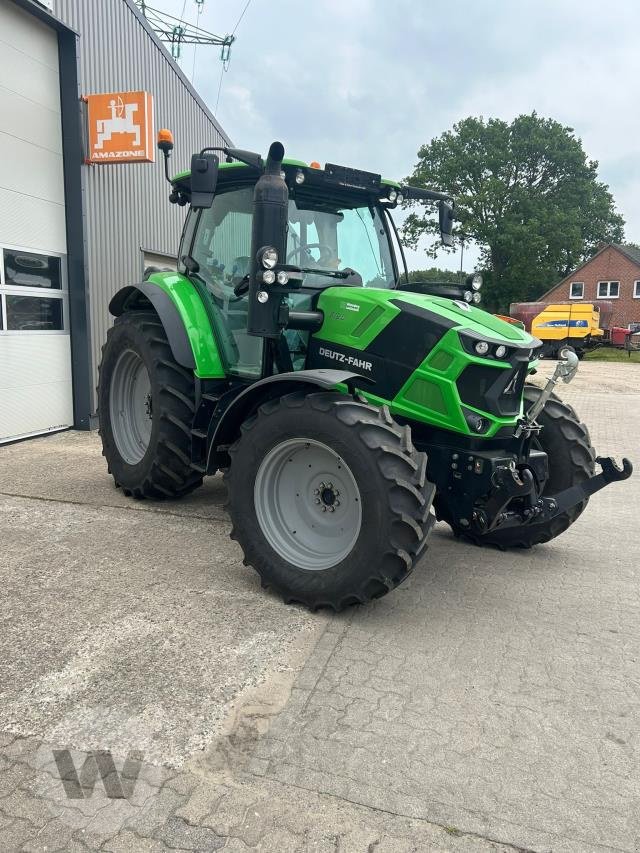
(43, 14)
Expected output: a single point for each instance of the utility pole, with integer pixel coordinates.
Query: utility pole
(175, 32)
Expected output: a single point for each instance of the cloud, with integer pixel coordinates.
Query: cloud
(366, 82)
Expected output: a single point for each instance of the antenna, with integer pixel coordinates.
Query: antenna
(176, 32)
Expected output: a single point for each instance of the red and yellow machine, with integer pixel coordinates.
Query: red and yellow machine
(580, 325)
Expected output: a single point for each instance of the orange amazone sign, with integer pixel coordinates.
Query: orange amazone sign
(120, 127)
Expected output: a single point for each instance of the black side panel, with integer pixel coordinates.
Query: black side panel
(131, 296)
(492, 389)
(392, 357)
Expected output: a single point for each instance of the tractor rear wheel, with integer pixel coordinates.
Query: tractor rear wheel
(566, 441)
(328, 498)
(146, 403)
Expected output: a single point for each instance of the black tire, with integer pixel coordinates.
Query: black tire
(390, 473)
(571, 460)
(165, 469)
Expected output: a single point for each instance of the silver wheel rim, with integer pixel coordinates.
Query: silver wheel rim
(308, 504)
(130, 407)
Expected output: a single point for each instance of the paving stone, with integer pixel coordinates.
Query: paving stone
(488, 704)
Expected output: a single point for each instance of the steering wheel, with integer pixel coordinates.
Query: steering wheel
(299, 250)
(228, 290)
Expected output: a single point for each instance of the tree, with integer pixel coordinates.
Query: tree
(526, 194)
(436, 274)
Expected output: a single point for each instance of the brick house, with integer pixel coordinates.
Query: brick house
(612, 274)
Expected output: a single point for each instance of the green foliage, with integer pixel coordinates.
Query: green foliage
(526, 194)
(436, 274)
(611, 354)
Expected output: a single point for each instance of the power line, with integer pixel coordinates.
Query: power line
(225, 64)
(199, 4)
(222, 71)
(246, 6)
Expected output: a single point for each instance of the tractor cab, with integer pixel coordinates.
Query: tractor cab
(340, 237)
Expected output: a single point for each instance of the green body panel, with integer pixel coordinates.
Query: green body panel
(197, 322)
(437, 377)
(355, 316)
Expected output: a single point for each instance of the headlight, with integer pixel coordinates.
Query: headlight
(282, 277)
(476, 281)
(468, 296)
(477, 297)
(482, 347)
(501, 351)
(262, 296)
(268, 257)
(299, 177)
(399, 198)
(475, 422)
(393, 194)
(268, 276)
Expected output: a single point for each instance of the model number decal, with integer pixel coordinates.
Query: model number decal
(343, 358)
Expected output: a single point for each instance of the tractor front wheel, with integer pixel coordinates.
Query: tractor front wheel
(328, 498)
(146, 403)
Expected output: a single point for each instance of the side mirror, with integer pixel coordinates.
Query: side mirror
(446, 222)
(204, 177)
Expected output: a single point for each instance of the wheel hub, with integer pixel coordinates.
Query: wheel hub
(328, 497)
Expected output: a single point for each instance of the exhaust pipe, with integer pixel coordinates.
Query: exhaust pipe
(269, 232)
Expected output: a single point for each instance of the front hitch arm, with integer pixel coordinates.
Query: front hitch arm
(510, 483)
(566, 499)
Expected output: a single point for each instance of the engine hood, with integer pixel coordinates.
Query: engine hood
(361, 314)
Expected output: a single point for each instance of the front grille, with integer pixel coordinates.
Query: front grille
(497, 391)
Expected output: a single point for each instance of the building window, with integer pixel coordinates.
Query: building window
(636, 289)
(27, 269)
(33, 292)
(577, 290)
(608, 289)
(34, 314)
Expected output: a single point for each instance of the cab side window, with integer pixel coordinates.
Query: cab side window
(222, 248)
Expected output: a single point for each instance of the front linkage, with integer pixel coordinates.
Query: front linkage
(513, 482)
(522, 482)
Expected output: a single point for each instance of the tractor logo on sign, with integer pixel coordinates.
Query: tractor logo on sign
(120, 127)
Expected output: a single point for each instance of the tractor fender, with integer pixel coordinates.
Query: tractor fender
(130, 297)
(225, 429)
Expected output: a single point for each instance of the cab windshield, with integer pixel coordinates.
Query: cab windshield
(322, 238)
(331, 238)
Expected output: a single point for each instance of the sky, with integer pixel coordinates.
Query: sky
(364, 83)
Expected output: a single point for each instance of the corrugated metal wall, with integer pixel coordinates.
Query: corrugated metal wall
(126, 204)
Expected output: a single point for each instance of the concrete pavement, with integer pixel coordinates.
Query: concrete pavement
(490, 703)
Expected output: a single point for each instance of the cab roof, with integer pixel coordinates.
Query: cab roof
(229, 172)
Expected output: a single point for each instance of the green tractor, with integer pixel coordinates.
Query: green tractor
(347, 409)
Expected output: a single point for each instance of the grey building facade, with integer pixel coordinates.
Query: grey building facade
(105, 219)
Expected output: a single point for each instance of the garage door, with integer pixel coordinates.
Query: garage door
(35, 352)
